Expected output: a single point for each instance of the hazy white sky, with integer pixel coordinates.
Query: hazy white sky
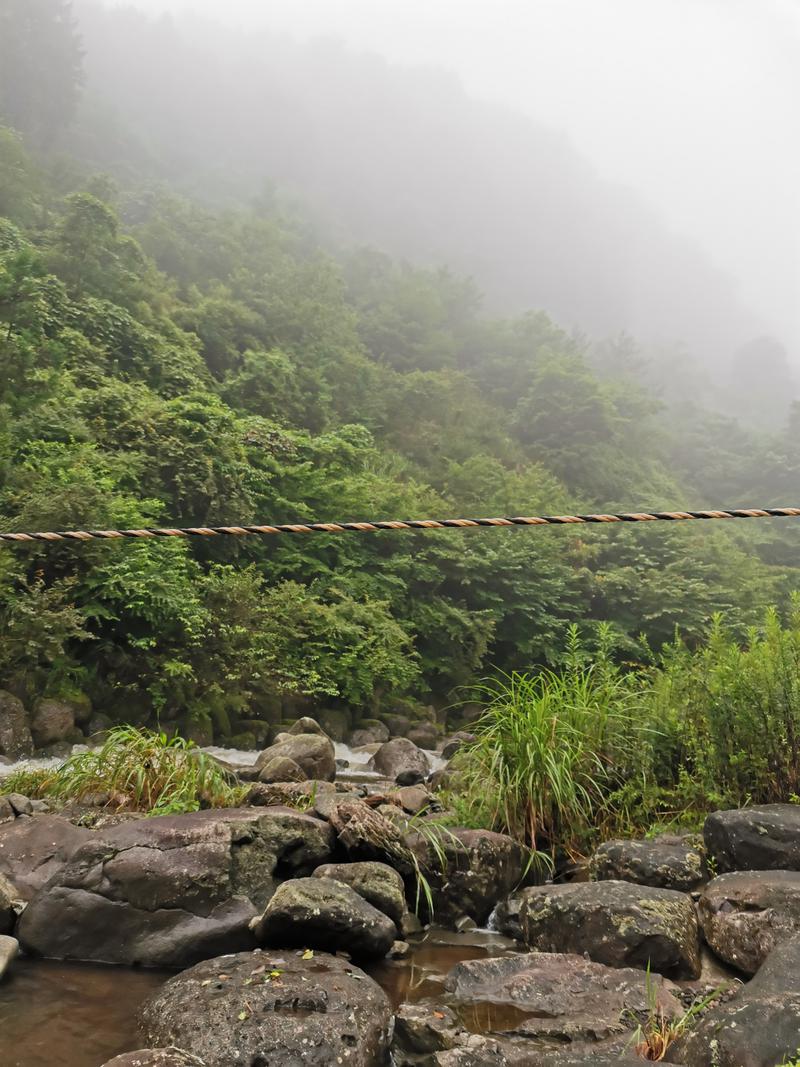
(694, 103)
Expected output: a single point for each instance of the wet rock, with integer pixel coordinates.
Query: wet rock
(9, 950)
(16, 740)
(173, 890)
(366, 834)
(615, 923)
(758, 1027)
(8, 915)
(400, 757)
(763, 838)
(409, 777)
(665, 862)
(7, 813)
(33, 850)
(400, 950)
(424, 735)
(379, 884)
(479, 1051)
(506, 918)
(424, 1028)
(746, 914)
(455, 742)
(479, 868)
(156, 1057)
(281, 769)
(52, 720)
(562, 997)
(321, 913)
(272, 1009)
(313, 753)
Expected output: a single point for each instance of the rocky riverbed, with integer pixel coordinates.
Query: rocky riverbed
(283, 932)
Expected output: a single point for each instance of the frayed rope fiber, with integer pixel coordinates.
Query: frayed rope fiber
(395, 524)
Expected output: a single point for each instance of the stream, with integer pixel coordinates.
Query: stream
(56, 1014)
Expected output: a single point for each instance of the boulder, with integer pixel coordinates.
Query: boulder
(156, 1057)
(33, 850)
(281, 769)
(306, 725)
(412, 798)
(366, 834)
(615, 923)
(321, 913)
(7, 813)
(336, 723)
(313, 753)
(471, 870)
(397, 725)
(424, 735)
(561, 997)
(745, 914)
(276, 1010)
(52, 720)
(166, 892)
(506, 918)
(400, 757)
(368, 732)
(19, 804)
(758, 1027)
(9, 949)
(423, 1028)
(16, 740)
(455, 742)
(665, 862)
(8, 915)
(763, 838)
(379, 884)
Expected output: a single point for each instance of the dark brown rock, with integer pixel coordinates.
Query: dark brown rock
(273, 1009)
(321, 913)
(52, 720)
(762, 838)
(170, 891)
(615, 923)
(746, 914)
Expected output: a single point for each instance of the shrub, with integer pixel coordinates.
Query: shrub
(145, 771)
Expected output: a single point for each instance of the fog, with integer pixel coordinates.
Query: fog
(691, 105)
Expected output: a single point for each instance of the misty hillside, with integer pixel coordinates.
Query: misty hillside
(403, 159)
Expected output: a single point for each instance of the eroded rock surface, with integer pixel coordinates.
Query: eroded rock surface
(665, 862)
(313, 753)
(272, 1009)
(616, 923)
(156, 1057)
(401, 758)
(746, 914)
(16, 740)
(170, 891)
(33, 850)
(377, 883)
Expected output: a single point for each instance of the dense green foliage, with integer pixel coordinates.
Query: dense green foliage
(166, 362)
(561, 759)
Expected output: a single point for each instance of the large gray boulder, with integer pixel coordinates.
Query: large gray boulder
(379, 884)
(666, 862)
(763, 838)
(52, 720)
(401, 759)
(274, 1010)
(16, 741)
(320, 913)
(758, 1027)
(33, 850)
(746, 914)
(169, 891)
(559, 998)
(313, 753)
(615, 923)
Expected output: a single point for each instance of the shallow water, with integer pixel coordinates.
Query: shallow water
(80, 1015)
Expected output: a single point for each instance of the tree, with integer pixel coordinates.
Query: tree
(40, 67)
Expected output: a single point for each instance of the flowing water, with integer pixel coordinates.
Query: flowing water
(80, 1015)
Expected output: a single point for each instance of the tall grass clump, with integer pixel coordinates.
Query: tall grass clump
(147, 771)
(551, 748)
(728, 715)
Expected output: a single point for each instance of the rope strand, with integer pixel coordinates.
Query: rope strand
(394, 524)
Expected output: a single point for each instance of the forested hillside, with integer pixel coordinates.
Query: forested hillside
(163, 361)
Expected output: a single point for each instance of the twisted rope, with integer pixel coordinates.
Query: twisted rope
(396, 524)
